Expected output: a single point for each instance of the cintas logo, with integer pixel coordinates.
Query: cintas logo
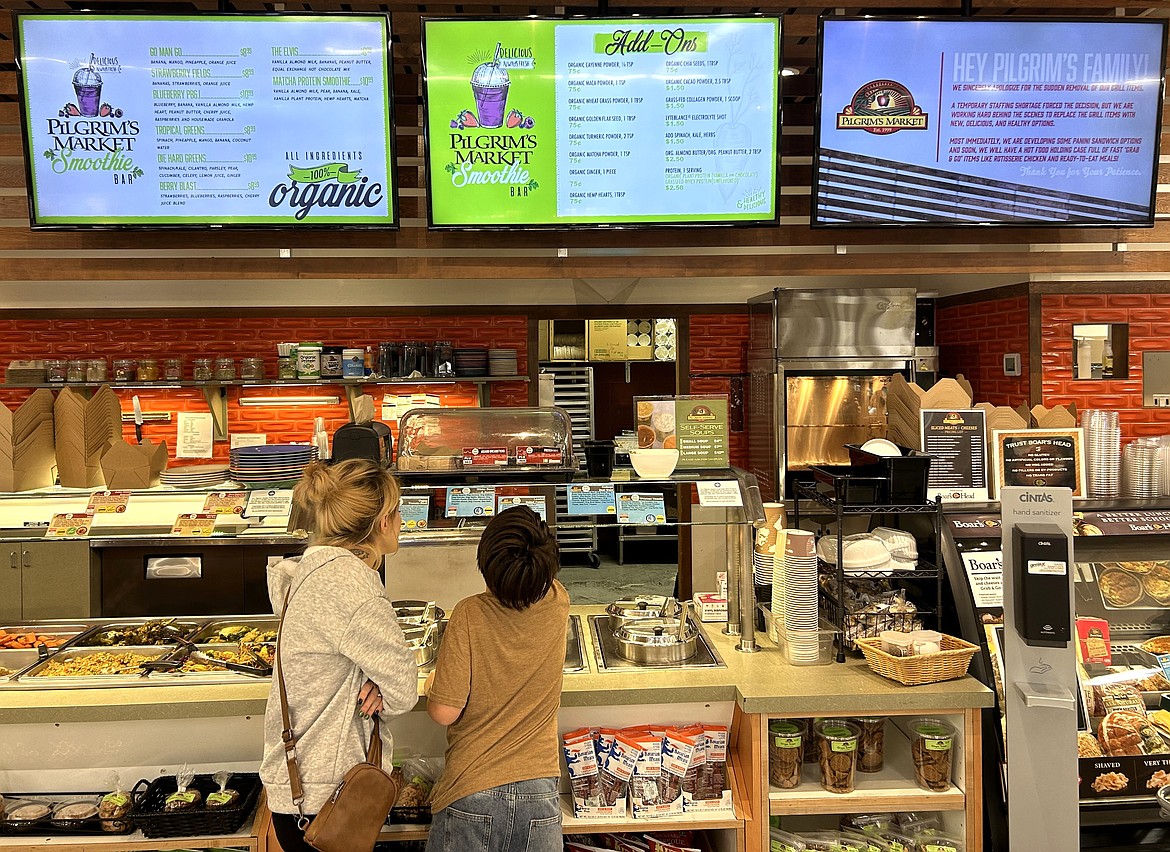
(89, 135)
(882, 107)
(1028, 497)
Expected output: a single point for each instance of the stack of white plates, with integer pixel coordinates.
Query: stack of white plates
(271, 465)
(195, 475)
(1102, 451)
(502, 362)
(801, 613)
(1142, 468)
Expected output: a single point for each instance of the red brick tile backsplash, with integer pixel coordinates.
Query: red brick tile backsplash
(974, 338)
(718, 344)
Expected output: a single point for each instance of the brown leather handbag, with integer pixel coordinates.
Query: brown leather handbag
(352, 818)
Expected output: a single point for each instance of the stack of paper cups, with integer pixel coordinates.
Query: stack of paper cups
(765, 550)
(779, 591)
(801, 612)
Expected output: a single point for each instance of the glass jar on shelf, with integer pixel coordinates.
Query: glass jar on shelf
(201, 369)
(96, 370)
(286, 367)
(55, 369)
(125, 369)
(75, 371)
(251, 368)
(225, 369)
(173, 369)
(148, 370)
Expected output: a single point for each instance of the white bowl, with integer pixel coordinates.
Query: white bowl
(881, 447)
(653, 464)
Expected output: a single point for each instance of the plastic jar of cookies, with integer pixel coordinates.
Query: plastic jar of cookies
(837, 754)
(785, 752)
(871, 748)
(932, 748)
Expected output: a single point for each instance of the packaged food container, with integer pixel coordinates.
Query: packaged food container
(925, 642)
(125, 369)
(353, 364)
(871, 746)
(286, 367)
(782, 841)
(932, 747)
(308, 360)
(251, 368)
(497, 441)
(938, 843)
(201, 369)
(73, 813)
(173, 369)
(56, 370)
(896, 643)
(27, 810)
(897, 841)
(786, 752)
(837, 741)
(331, 358)
(148, 370)
(863, 841)
(96, 370)
(75, 371)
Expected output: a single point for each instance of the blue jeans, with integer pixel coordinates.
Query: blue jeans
(521, 817)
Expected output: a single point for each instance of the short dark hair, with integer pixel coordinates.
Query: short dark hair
(518, 557)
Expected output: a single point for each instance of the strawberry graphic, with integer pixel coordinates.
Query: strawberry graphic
(468, 118)
(515, 117)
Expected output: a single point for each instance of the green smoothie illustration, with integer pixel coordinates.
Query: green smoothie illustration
(489, 85)
(87, 85)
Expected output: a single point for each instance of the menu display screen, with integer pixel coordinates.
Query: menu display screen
(228, 120)
(988, 122)
(642, 121)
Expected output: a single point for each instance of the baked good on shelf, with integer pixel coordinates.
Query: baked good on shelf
(1120, 733)
(1087, 745)
(1120, 588)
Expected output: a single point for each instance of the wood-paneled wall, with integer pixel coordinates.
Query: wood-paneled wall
(414, 266)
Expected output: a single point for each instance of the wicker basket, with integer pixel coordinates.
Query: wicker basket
(949, 663)
(150, 816)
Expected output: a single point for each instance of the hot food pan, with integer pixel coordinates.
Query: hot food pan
(167, 631)
(249, 631)
(80, 668)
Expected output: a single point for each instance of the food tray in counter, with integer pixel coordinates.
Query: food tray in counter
(13, 661)
(16, 637)
(199, 821)
(48, 826)
(1134, 585)
(235, 630)
(136, 633)
(123, 664)
(203, 662)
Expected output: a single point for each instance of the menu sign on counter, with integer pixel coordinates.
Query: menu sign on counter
(637, 121)
(696, 425)
(1040, 458)
(957, 441)
(184, 120)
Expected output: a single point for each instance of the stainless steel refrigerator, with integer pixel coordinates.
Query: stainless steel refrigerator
(820, 361)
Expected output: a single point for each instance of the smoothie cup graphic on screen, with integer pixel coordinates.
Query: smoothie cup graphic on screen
(87, 85)
(489, 84)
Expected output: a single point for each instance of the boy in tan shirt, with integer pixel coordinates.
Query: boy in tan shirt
(497, 686)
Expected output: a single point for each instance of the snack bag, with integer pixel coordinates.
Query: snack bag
(678, 754)
(223, 797)
(621, 757)
(713, 794)
(644, 790)
(114, 807)
(782, 841)
(585, 777)
(183, 798)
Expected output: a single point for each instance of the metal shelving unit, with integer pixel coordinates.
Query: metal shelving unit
(840, 509)
(573, 391)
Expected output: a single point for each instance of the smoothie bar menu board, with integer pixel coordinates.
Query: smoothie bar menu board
(249, 120)
(606, 122)
(988, 122)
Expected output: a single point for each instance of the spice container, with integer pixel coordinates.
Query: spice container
(225, 369)
(125, 369)
(933, 745)
(331, 362)
(353, 364)
(785, 752)
(837, 752)
(55, 369)
(286, 366)
(75, 371)
(201, 369)
(871, 746)
(173, 369)
(148, 370)
(896, 643)
(309, 361)
(251, 368)
(96, 370)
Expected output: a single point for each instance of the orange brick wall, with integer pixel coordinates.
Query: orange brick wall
(973, 339)
(719, 345)
(257, 337)
(1148, 316)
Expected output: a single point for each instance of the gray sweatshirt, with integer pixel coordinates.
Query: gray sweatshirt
(339, 630)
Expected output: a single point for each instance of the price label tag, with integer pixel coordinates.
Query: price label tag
(225, 503)
(70, 524)
(108, 502)
(415, 511)
(721, 492)
(539, 455)
(268, 504)
(591, 500)
(485, 456)
(194, 524)
(535, 502)
(637, 508)
(471, 501)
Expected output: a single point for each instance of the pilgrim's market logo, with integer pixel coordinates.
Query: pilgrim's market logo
(882, 107)
(325, 185)
(90, 135)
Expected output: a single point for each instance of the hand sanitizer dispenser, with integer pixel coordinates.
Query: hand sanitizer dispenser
(1042, 577)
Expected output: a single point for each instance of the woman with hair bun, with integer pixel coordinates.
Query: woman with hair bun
(497, 688)
(342, 652)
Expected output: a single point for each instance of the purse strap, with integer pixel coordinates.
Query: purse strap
(373, 752)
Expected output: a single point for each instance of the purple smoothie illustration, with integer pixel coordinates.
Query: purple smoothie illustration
(87, 85)
(489, 85)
